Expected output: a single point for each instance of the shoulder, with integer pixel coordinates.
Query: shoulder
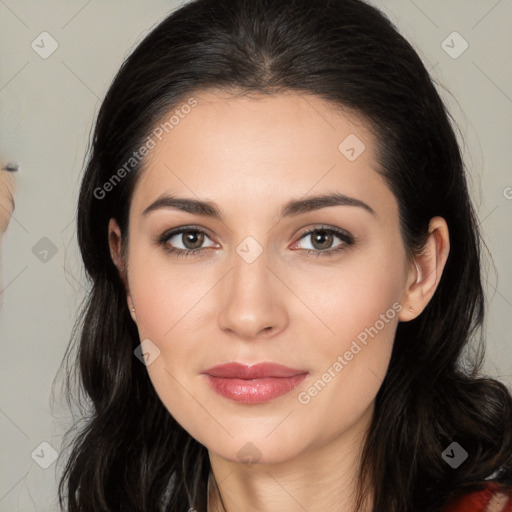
(492, 498)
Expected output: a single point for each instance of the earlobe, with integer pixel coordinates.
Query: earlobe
(131, 307)
(429, 266)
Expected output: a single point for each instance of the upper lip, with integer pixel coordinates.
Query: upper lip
(252, 371)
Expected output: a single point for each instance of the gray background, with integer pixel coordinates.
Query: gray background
(47, 108)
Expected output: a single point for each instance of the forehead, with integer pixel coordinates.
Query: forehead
(261, 148)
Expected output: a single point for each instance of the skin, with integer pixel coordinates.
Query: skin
(7, 190)
(251, 156)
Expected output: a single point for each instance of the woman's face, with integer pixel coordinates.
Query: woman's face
(265, 288)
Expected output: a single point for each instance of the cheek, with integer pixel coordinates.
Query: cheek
(167, 301)
(350, 365)
(354, 294)
(167, 295)
(359, 307)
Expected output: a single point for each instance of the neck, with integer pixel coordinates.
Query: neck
(320, 479)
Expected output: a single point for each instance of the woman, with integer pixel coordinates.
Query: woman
(285, 272)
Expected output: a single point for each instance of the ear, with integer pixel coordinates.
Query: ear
(115, 244)
(425, 273)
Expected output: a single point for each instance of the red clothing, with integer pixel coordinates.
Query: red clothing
(490, 499)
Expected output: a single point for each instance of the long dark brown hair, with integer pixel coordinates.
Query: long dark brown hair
(129, 454)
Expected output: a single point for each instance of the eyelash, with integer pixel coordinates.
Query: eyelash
(347, 239)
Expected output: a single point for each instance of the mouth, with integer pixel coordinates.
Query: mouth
(253, 384)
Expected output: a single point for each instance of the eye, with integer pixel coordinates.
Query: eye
(322, 239)
(190, 239)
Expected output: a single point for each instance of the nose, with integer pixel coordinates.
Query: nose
(253, 300)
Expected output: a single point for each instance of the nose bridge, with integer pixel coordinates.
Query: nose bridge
(250, 266)
(251, 300)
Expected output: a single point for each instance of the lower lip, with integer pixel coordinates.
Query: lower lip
(256, 391)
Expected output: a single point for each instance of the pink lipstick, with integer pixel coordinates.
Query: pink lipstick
(253, 384)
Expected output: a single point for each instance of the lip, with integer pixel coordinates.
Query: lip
(252, 371)
(253, 384)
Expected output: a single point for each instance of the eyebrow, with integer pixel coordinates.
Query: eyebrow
(290, 209)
